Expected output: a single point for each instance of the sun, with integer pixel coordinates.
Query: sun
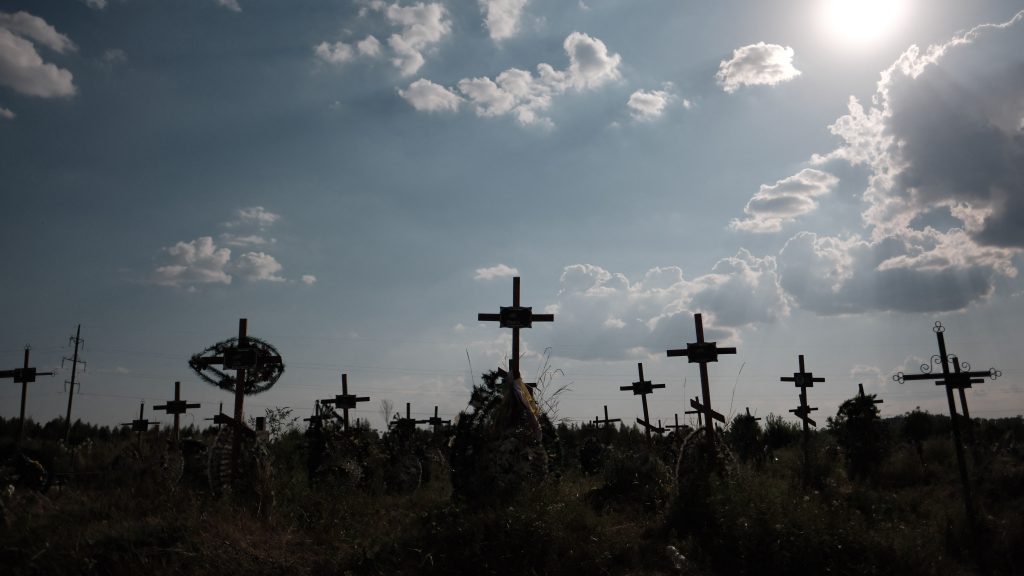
(861, 23)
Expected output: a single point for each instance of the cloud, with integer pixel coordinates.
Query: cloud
(601, 314)
(229, 4)
(336, 53)
(526, 96)
(96, 4)
(918, 271)
(502, 17)
(37, 30)
(308, 279)
(6, 114)
(647, 106)
(423, 26)
(756, 64)
(499, 271)
(782, 202)
(254, 216)
(196, 262)
(246, 240)
(257, 266)
(21, 67)
(369, 46)
(115, 56)
(426, 96)
(942, 143)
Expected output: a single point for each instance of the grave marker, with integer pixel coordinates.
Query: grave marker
(436, 421)
(702, 352)
(24, 375)
(344, 401)
(642, 388)
(176, 407)
(515, 317)
(804, 380)
(140, 425)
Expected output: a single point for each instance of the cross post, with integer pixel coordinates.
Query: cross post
(749, 415)
(23, 375)
(701, 352)
(515, 317)
(607, 420)
(804, 380)
(642, 388)
(220, 413)
(141, 425)
(677, 426)
(177, 407)
(436, 421)
(952, 379)
(345, 401)
(408, 422)
(699, 413)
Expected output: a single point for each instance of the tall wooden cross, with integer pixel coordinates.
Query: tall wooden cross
(955, 379)
(436, 421)
(642, 388)
(700, 414)
(701, 352)
(176, 407)
(141, 425)
(515, 317)
(244, 355)
(860, 393)
(316, 419)
(23, 375)
(345, 401)
(804, 380)
(607, 420)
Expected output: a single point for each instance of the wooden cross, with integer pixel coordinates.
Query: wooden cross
(241, 357)
(607, 420)
(951, 380)
(345, 401)
(701, 352)
(700, 414)
(316, 419)
(677, 426)
(436, 421)
(141, 425)
(23, 375)
(804, 380)
(701, 409)
(220, 412)
(515, 317)
(177, 407)
(408, 423)
(642, 388)
(749, 415)
(860, 393)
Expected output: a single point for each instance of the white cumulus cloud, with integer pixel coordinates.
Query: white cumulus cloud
(756, 64)
(502, 17)
(6, 113)
(308, 279)
(21, 66)
(648, 105)
(782, 202)
(198, 261)
(229, 4)
(426, 96)
(258, 266)
(423, 26)
(492, 272)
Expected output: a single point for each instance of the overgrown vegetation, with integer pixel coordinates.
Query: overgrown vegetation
(111, 513)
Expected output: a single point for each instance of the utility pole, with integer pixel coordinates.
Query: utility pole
(71, 385)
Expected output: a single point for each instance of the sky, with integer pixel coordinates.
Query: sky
(359, 179)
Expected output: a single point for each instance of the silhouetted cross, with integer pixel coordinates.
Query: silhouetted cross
(749, 415)
(141, 425)
(700, 414)
(803, 380)
(515, 317)
(436, 420)
(23, 375)
(607, 420)
(958, 380)
(701, 352)
(642, 388)
(860, 393)
(345, 401)
(677, 426)
(177, 407)
(408, 422)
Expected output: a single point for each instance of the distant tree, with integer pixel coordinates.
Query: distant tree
(917, 427)
(778, 433)
(387, 407)
(859, 431)
(745, 438)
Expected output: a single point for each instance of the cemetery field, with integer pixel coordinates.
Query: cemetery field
(616, 509)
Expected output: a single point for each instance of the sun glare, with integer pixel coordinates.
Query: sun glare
(859, 23)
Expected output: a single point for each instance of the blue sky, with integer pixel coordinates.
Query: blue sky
(360, 179)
